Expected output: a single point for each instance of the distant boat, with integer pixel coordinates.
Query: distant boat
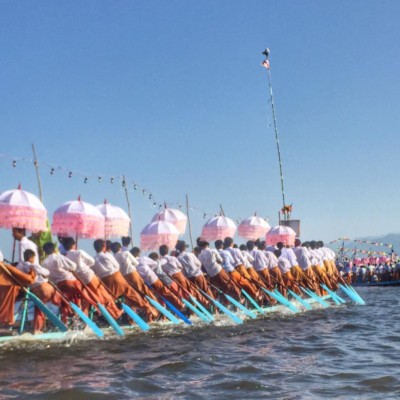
(384, 283)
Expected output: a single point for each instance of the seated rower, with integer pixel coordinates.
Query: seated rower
(284, 266)
(40, 287)
(289, 254)
(127, 266)
(84, 263)
(60, 268)
(106, 268)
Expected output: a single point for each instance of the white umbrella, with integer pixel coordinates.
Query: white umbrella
(280, 233)
(78, 218)
(158, 233)
(21, 209)
(218, 228)
(117, 220)
(253, 228)
(174, 216)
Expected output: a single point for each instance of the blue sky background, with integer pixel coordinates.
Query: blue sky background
(172, 94)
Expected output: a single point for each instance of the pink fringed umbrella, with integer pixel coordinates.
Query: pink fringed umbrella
(78, 218)
(382, 259)
(158, 233)
(117, 220)
(253, 228)
(357, 261)
(20, 209)
(218, 228)
(173, 216)
(282, 234)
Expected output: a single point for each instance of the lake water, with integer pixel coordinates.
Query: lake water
(346, 352)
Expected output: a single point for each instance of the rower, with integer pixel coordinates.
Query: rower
(84, 263)
(284, 266)
(289, 254)
(126, 241)
(40, 287)
(106, 268)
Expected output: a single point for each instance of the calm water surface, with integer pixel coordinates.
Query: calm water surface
(347, 352)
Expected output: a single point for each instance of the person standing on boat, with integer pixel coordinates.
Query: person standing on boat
(128, 268)
(106, 268)
(192, 268)
(84, 263)
(61, 268)
(211, 262)
(40, 287)
(19, 234)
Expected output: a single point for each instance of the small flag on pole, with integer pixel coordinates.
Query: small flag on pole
(265, 64)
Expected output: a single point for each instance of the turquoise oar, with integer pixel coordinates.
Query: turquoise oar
(316, 297)
(111, 321)
(202, 308)
(336, 298)
(196, 311)
(163, 310)
(24, 312)
(287, 301)
(240, 306)
(300, 300)
(354, 291)
(176, 311)
(252, 301)
(139, 321)
(281, 299)
(229, 313)
(351, 294)
(96, 330)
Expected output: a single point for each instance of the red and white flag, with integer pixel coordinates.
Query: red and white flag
(265, 64)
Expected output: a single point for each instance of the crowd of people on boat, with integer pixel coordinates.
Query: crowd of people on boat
(367, 272)
(116, 271)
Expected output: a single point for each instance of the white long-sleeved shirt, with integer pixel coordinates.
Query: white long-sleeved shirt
(105, 265)
(84, 263)
(260, 261)
(25, 244)
(211, 261)
(237, 256)
(145, 268)
(303, 258)
(60, 267)
(41, 273)
(228, 262)
(171, 265)
(248, 259)
(271, 258)
(191, 264)
(290, 256)
(315, 257)
(283, 264)
(127, 262)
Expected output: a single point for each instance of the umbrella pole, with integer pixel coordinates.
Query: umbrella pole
(266, 53)
(190, 227)
(222, 210)
(129, 207)
(13, 252)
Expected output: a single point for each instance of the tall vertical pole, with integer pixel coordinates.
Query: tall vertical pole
(36, 164)
(267, 66)
(129, 206)
(190, 227)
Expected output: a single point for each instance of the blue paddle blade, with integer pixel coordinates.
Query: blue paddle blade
(252, 301)
(351, 294)
(315, 297)
(229, 313)
(87, 320)
(300, 300)
(176, 311)
(195, 310)
(336, 298)
(240, 306)
(111, 321)
(281, 299)
(354, 291)
(202, 308)
(139, 321)
(48, 313)
(163, 310)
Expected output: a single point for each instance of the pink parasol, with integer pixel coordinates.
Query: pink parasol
(218, 228)
(21, 209)
(175, 217)
(78, 218)
(253, 228)
(158, 233)
(357, 261)
(117, 220)
(282, 234)
(383, 259)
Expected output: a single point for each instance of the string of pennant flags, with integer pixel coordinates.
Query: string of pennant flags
(389, 245)
(356, 251)
(130, 185)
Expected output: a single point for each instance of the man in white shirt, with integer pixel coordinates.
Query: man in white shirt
(284, 266)
(211, 261)
(19, 234)
(84, 263)
(317, 264)
(107, 269)
(126, 241)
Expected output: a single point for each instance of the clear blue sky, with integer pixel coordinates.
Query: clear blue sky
(172, 94)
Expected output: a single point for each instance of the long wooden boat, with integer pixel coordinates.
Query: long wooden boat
(86, 334)
(377, 284)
